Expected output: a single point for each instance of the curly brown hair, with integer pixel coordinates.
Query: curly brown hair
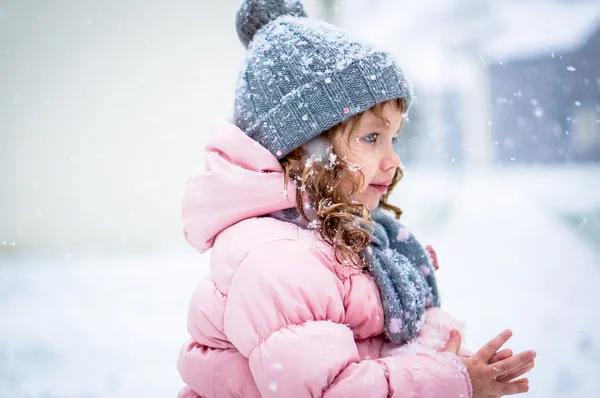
(344, 225)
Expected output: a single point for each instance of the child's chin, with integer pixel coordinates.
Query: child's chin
(372, 207)
(374, 204)
(369, 202)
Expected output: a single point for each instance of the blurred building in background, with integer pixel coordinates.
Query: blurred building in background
(497, 81)
(546, 106)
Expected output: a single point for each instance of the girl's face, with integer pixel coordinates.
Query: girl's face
(370, 149)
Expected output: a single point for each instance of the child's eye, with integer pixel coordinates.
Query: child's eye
(371, 138)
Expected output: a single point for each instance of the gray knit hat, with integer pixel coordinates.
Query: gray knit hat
(302, 77)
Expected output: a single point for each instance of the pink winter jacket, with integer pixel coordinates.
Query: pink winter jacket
(278, 316)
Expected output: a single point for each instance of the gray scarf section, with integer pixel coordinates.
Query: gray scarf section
(401, 268)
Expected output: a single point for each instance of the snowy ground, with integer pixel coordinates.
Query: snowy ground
(512, 255)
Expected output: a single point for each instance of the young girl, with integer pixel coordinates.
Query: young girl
(315, 288)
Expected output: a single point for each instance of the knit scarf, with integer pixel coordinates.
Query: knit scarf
(401, 268)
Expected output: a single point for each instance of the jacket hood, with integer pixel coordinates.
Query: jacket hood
(241, 180)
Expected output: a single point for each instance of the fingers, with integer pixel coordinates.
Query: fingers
(514, 388)
(453, 344)
(524, 380)
(512, 364)
(518, 372)
(500, 355)
(486, 352)
(520, 381)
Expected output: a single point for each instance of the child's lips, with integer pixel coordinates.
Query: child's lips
(379, 188)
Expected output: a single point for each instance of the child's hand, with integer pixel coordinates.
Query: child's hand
(433, 256)
(495, 379)
(506, 353)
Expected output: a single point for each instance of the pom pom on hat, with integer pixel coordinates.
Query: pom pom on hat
(254, 14)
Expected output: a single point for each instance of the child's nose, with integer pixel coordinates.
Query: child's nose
(390, 161)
